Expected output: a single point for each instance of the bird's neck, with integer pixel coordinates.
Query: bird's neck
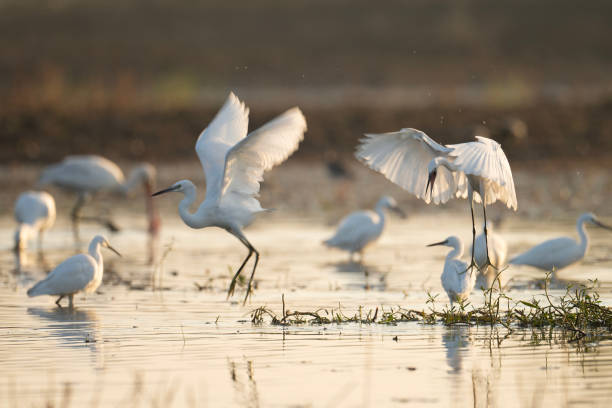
(584, 238)
(380, 210)
(192, 219)
(456, 253)
(444, 162)
(23, 233)
(132, 181)
(94, 251)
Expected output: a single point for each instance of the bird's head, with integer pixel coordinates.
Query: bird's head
(390, 203)
(451, 241)
(182, 186)
(103, 242)
(592, 219)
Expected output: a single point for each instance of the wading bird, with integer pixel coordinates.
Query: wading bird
(560, 252)
(457, 280)
(35, 213)
(82, 272)
(87, 175)
(498, 254)
(233, 163)
(362, 228)
(433, 172)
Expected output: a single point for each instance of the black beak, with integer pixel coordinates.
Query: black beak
(438, 243)
(167, 190)
(602, 225)
(399, 211)
(430, 183)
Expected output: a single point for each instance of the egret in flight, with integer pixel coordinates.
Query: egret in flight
(34, 213)
(79, 273)
(362, 228)
(498, 255)
(87, 175)
(433, 172)
(560, 252)
(233, 163)
(457, 280)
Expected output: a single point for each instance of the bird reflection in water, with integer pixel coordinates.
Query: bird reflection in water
(374, 278)
(246, 389)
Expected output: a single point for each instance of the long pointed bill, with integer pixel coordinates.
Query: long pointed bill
(167, 190)
(399, 211)
(602, 225)
(430, 183)
(114, 250)
(438, 243)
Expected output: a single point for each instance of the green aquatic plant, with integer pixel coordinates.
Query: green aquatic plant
(579, 313)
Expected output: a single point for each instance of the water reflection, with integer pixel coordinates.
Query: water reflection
(245, 388)
(456, 342)
(374, 278)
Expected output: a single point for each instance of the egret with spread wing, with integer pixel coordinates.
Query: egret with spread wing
(361, 228)
(433, 172)
(560, 252)
(233, 163)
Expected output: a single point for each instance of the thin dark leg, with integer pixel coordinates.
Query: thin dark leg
(75, 214)
(70, 301)
(230, 291)
(473, 262)
(57, 302)
(252, 274)
(486, 234)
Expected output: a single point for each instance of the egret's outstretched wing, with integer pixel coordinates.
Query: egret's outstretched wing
(485, 158)
(403, 157)
(261, 150)
(227, 129)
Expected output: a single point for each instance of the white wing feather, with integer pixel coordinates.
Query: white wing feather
(261, 150)
(87, 173)
(229, 127)
(68, 277)
(403, 157)
(355, 231)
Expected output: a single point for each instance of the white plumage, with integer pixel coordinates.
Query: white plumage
(88, 175)
(34, 213)
(362, 228)
(234, 163)
(560, 252)
(79, 273)
(457, 280)
(433, 172)
(498, 254)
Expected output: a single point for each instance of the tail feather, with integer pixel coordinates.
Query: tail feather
(37, 289)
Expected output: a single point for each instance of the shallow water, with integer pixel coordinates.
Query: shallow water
(183, 345)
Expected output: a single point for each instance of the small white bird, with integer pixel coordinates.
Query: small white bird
(234, 163)
(433, 172)
(498, 254)
(82, 272)
(87, 175)
(34, 213)
(457, 280)
(560, 252)
(362, 228)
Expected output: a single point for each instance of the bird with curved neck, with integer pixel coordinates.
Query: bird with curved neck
(234, 163)
(90, 174)
(497, 250)
(457, 280)
(34, 213)
(559, 253)
(478, 171)
(361, 228)
(79, 273)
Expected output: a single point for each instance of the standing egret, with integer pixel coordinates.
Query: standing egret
(361, 228)
(233, 163)
(498, 254)
(415, 162)
(87, 175)
(457, 280)
(82, 272)
(35, 213)
(560, 252)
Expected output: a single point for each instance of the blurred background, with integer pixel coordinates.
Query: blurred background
(138, 80)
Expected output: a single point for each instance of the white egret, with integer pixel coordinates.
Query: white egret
(35, 213)
(560, 252)
(362, 228)
(233, 163)
(87, 175)
(498, 254)
(79, 273)
(436, 173)
(457, 280)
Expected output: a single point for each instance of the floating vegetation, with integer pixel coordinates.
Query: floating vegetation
(579, 311)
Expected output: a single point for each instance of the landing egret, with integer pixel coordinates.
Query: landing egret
(560, 252)
(415, 162)
(362, 228)
(87, 175)
(498, 254)
(82, 272)
(457, 280)
(233, 163)
(34, 213)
